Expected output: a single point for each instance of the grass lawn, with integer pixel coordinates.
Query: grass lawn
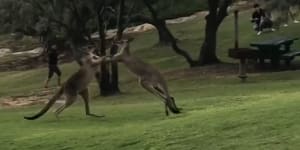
(219, 113)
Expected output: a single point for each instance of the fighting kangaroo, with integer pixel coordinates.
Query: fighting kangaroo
(76, 85)
(149, 78)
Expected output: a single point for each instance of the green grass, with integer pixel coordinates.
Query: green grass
(219, 112)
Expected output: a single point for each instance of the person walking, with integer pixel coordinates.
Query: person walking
(53, 65)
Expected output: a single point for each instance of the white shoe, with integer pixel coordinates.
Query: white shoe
(285, 25)
(296, 21)
(259, 33)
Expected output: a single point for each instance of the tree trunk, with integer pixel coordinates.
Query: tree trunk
(114, 72)
(217, 13)
(103, 78)
(165, 36)
(208, 50)
(168, 38)
(114, 49)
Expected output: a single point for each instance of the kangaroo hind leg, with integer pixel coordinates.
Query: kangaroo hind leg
(70, 99)
(85, 96)
(170, 102)
(153, 91)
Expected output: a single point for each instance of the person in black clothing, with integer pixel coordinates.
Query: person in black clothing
(53, 65)
(260, 20)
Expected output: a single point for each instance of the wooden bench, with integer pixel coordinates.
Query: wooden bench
(288, 57)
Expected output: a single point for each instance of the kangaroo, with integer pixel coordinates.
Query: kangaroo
(76, 85)
(148, 77)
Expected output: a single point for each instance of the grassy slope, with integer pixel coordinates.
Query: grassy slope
(219, 113)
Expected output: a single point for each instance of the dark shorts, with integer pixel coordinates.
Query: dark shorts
(53, 69)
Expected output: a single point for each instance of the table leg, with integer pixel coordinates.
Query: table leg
(275, 62)
(287, 47)
(262, 61)
(243, 70)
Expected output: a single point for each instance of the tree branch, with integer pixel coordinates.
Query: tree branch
(141, 18)
(223, 13)
(42, 9)
(213, 7)
(151, 9)
(211, 18)
(183, 53)
(120, 21)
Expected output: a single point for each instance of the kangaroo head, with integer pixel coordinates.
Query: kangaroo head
(92, 60)
(124, 50)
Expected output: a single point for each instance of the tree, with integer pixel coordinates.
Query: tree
(68, 19)
(114, 48)
(165, 35)
(73, 21)
(156, 12)
(217, 13)
(109, 82)
(103, 78)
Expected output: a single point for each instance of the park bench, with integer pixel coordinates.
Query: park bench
(288, 57)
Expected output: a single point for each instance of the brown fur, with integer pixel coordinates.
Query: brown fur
(149, 78)
(76, 85)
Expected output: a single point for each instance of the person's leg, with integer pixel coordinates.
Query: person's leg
(259, 27)
(256, 26)
(50, 74)
(58, 73)
(269, 25)
(285, 19)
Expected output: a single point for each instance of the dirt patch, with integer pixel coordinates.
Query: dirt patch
(34, 98)
(26, 61)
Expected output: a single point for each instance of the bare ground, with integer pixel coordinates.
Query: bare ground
(34, 98)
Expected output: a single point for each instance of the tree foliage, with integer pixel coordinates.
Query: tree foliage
(76, 20)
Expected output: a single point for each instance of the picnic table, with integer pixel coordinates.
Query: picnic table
(276, 49)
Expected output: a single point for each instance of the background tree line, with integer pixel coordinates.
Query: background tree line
(74, 21)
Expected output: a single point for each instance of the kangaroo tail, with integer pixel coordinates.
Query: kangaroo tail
(172, 106)
(48, 106)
